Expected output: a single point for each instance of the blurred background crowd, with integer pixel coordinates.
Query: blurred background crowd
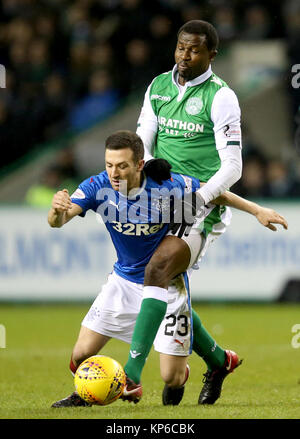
(69, 63)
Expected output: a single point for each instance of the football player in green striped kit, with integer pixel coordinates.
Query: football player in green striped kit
(191, 118)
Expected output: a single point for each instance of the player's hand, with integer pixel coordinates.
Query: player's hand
(61, 201)
(158, 170)
(190, 211)
(269, 217)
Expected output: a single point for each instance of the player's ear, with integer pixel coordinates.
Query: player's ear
(212, 54)
(141, 164)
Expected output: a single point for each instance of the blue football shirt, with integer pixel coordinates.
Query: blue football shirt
(136, 223)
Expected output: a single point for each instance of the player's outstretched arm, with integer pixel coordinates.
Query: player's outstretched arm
(62, 209)
(267, 217)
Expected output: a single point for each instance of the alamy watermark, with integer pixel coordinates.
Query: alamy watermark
(156, 205)
(296, 77)
(295, 82)
(296, 338)
(2, 76)
(2, 336)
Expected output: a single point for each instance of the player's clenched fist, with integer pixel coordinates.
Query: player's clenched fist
(61, 201)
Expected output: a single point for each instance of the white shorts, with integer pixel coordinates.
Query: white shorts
(116, 307)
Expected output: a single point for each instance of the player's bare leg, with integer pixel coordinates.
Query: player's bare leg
(171, 258)
(88, 343)
(174, 371)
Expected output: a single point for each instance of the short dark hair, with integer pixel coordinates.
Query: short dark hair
(126, 139)
(202, 27)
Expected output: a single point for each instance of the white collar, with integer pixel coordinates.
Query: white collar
(196, 81)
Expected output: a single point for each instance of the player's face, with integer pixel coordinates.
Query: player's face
(192, 56)
(123, 171)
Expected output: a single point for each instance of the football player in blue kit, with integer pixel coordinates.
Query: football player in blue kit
(136, 211)
(134, 219)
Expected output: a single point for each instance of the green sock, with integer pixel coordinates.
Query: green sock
(205, 346)
(147, 323)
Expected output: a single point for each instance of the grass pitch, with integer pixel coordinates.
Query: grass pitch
(39, 340)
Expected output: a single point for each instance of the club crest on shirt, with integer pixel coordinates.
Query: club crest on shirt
(194, 106)
(162, 204)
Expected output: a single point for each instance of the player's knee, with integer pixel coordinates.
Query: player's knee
(173, 377)
(161, 269)
(157, 269)
(170, 259)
